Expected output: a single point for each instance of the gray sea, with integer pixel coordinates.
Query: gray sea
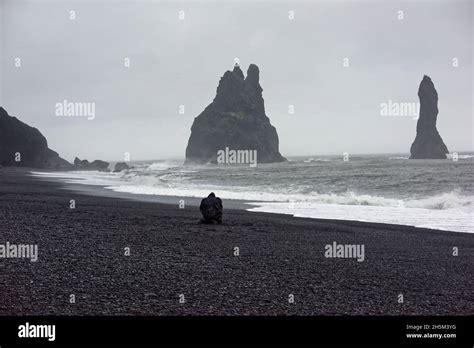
(390, 188)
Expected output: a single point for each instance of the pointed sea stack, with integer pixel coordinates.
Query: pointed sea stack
(428, 143)
(236, 120)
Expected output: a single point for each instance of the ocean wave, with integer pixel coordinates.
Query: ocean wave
(448, 200)
(467, 156)
(451, 200)
(160, 166)
(175, 183)
(375, 189)
(310, 160)
(351, 198)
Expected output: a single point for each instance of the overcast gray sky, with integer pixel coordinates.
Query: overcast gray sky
(177, 62)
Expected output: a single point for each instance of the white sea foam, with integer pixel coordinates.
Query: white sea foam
(451, 210)
(398, 158)
(160, 166)
(449, 220)
(465, 156)
(310, 160)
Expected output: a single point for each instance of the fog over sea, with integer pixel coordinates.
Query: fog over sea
(437, 194)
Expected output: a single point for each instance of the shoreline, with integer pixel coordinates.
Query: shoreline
(102, 191)
(233, 204)
(81, 252)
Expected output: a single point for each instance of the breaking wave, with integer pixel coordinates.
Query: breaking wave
(315, 187)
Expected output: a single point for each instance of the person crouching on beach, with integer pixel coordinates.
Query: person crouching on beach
(211, 209)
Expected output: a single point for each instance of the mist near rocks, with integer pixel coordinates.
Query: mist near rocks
(333, 63)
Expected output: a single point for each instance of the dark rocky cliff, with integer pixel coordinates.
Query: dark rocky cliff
(25, 146)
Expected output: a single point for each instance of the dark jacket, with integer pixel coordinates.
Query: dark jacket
(211, 208)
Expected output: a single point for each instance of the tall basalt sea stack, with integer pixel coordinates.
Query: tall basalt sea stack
(235, 120)
(428, 143)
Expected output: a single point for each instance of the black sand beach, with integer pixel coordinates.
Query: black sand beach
(81, 252)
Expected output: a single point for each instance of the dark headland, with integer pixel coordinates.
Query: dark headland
(22, 145)
(81, 252)
(25, 146)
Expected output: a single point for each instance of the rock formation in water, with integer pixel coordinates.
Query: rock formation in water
(25, 146)
(428, 143)
(99, 165)
(119, 166)
(235, 120)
